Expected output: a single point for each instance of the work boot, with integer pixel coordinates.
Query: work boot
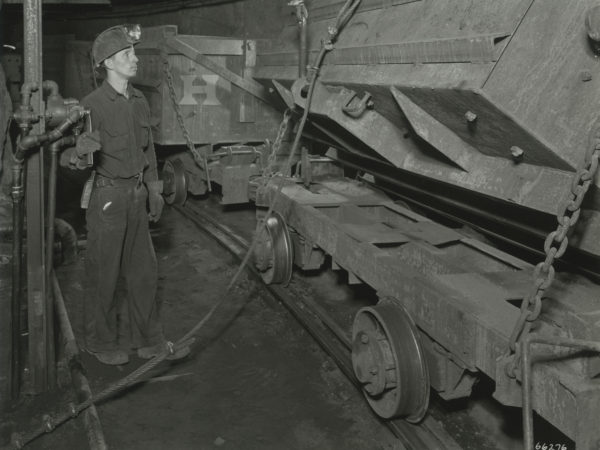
(111, 357)
(155, 350)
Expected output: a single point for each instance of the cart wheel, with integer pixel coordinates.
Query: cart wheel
(388, 360)
(273, 255)
(174, 182)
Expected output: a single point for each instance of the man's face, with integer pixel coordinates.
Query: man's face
(123, 63)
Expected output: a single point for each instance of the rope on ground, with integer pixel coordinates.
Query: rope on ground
(50, 423)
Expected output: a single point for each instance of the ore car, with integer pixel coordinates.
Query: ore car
(480, 113)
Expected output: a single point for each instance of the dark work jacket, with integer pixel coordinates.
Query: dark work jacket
(125, 136)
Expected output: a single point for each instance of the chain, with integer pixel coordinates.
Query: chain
(555, 246)
(198, 157)
(271, 167)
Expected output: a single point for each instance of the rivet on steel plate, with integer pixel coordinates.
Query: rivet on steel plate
(517, 152)
(470, 116)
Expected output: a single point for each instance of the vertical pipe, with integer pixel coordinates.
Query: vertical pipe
(40, 317)
(526, 392)
(17, 198)
(6, 331)
(526, 374)
(303, 56)
(7, 323)
(54, 150)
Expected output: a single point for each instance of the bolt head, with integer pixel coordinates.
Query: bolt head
(470, 116)
(517, 152)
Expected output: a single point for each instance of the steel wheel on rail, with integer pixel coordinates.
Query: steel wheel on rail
(273, 254)
(388, 360)
(174, 182)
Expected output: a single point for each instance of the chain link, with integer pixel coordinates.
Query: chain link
(198, 156)
(555, 246)
(271, 168)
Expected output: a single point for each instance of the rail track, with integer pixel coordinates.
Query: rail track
(429, 434)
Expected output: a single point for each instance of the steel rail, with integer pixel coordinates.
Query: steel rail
(323, 328)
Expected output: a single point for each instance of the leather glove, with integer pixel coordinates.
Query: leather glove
(87, 142)
(69, 158)
(80, 156)
(155, 199)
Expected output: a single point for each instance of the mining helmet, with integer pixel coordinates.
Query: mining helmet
(114, 40)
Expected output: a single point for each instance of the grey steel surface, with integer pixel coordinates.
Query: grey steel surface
(458, 50)
(474, 87)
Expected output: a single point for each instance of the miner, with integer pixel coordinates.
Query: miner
(124, 195)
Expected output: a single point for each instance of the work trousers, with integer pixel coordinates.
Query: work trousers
(119, 243)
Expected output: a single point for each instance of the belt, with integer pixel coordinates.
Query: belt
(102, 181)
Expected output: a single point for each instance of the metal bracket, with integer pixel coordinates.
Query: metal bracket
(587, 439)
(355, 107)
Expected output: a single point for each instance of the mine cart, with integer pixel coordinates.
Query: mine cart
(208, 113)
(484, 113)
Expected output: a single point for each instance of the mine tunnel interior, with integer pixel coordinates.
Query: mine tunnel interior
(314, 224)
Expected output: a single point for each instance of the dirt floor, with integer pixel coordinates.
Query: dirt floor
(255, 378)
